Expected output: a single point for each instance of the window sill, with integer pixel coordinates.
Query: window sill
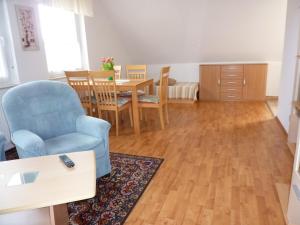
(8, 85)
(57, 77)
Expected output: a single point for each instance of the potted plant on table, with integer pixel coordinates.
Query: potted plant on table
(108, 64)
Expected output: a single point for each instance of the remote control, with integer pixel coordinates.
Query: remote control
(67, 161)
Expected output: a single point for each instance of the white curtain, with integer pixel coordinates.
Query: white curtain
(81, 7)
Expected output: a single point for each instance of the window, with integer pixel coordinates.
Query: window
(3, 62)
(8, 72)
(61, 31)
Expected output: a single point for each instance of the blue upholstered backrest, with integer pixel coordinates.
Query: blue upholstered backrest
(46, 108)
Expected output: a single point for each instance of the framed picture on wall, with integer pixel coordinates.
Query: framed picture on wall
(27, 27)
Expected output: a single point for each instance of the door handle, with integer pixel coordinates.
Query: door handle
(244, 82)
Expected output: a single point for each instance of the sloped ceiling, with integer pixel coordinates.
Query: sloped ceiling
(181, 31)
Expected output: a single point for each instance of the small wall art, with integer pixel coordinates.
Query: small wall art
(27, 27)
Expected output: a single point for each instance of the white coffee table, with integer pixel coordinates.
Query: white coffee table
(54, 186)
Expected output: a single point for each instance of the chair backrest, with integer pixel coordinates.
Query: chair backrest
(104, 75)
(118, 71)
(163, 90)
(80, 82)
(104, 89)
(46, 108)
(136, 72)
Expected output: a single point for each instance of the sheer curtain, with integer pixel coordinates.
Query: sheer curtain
(61, 41)
(81, 7)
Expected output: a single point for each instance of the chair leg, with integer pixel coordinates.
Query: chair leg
(167, 113)
(161, 117)
(130, 116)
(145, 115)
(117, 123)
(141, 113)
(95, 111)
(110, 117)
(122, 116)
(100, 114)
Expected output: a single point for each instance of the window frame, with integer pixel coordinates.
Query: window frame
(9, 51)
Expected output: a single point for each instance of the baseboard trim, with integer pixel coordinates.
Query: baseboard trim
(281, 126)
(292, 147)
(269, 108)
(181, 101)
(283, 191)
(271, 98)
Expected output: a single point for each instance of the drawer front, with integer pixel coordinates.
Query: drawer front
(232, 83)
(231, 94)
(232, 89)
(232, 68)
(232, 72)
(232, 75)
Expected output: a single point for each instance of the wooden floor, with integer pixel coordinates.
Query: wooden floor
(222, 161)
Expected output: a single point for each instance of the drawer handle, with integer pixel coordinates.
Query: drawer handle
(231, 82)
(231, 89)
(232, 75)
(231, 96)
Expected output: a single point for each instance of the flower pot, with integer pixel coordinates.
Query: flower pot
(108, 66)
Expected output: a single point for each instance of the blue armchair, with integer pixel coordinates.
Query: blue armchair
(46, 117)
(2, 143)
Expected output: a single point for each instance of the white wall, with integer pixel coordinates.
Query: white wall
(291, 46)
(102, 39)
(183, 33)
(176, 31)
(189, 72)
(31, 65)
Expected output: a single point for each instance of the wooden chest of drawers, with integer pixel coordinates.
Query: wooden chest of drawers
(233, 82)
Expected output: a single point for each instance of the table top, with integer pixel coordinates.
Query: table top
(132, 82)
(123, 84)
(55, 184)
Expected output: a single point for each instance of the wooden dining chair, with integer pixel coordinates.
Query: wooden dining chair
(106, 96)
(136, 72)
(161, 101)
(79, 81)
(118, 72)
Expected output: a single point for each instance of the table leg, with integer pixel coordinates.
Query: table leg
(54, 215)
(59, 214)
(151, 88)
(135, 112)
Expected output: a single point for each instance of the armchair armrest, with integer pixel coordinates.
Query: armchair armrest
(28, 144)
(92, 126)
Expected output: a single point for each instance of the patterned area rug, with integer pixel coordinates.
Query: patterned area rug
(117, 194)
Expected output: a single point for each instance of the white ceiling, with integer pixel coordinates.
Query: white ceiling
(180, 31)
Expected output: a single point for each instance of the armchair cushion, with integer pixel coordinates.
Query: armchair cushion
(92, 126)
(28, 144)
(72, 142)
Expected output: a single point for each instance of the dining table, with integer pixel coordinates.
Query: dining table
(133, 86)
